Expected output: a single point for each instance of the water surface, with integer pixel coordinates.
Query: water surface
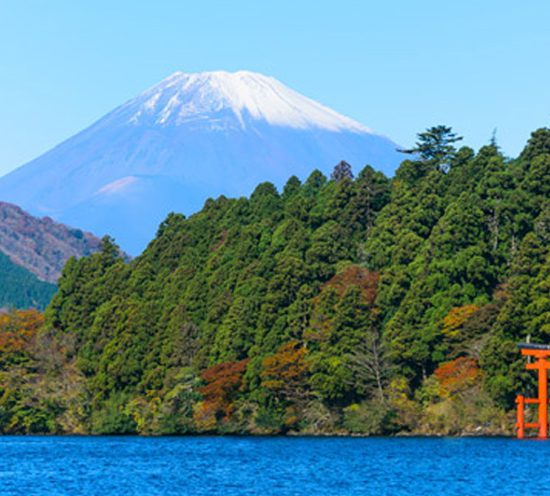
(271, 466)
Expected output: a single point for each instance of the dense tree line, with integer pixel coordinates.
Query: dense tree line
(355, 304)
(20, 288)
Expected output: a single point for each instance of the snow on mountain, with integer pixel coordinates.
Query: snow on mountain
(194, 98)
(190, 137)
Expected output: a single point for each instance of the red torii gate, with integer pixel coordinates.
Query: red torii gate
(541, 354)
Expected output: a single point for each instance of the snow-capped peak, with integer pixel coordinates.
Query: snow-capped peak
(220, 98)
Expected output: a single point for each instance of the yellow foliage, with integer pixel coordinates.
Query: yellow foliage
(456, 318)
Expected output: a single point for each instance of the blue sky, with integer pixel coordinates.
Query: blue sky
(396, 66)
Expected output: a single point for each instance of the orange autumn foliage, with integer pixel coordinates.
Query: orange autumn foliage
(222, 381)
(18, 329)
(457, 375)
(284, 371)
(354, 275)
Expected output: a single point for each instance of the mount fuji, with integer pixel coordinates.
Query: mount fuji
(190, 137)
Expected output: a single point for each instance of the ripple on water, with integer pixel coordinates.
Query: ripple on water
(229, 466)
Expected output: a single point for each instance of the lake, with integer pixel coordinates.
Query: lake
(271, 466)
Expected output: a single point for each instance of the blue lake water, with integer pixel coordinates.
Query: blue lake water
(271, 466)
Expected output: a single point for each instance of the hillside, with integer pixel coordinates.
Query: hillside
(21, 289)
(350, 305)
(41, 245)
(189, 137)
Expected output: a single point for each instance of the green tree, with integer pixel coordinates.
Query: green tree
(342, 171)
(435, 146)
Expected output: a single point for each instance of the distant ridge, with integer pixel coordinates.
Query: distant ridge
(190, 137)
(41, 246)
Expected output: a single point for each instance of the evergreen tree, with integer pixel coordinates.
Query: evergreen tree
(342, 170)
(435, 146)
(352, 305)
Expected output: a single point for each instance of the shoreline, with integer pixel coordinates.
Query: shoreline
(266, 436)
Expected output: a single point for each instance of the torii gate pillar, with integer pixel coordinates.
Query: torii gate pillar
(541, 354)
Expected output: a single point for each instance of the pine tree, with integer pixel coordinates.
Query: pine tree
(342, 170)
(435, 146)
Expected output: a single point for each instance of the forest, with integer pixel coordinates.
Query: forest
(21, 288)
(346, 305)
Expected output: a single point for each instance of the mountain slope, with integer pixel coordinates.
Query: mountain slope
(20, 288)
(348, 305)
(41, 246)
(190, 137)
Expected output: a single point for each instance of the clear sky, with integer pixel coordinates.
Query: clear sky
(396, 66)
